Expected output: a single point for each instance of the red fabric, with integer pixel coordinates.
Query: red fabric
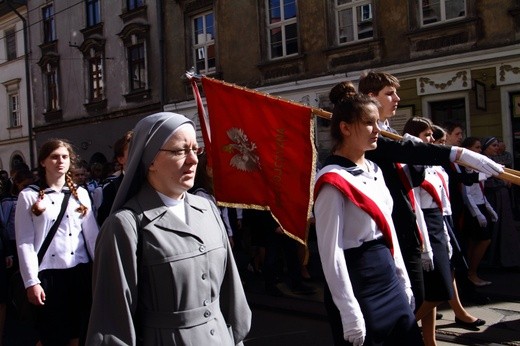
(428, 187)
(262, 152)
(406, 184)
(203, 119)
(411, 195)
(359, 199)
(444, 185)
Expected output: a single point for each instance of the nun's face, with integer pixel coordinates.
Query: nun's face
(172, 172)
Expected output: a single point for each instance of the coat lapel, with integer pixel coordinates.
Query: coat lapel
(162, 217)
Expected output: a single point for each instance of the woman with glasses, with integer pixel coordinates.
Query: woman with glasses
(165, 274)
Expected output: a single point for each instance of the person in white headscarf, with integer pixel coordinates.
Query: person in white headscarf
(164, 272)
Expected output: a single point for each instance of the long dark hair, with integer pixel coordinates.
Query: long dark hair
(351, 108)
(46, 149)
(415, 125)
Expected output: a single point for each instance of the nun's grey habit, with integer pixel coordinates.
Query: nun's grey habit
(158, 280)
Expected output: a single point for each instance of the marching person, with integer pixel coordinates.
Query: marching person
(504, 249)
(383, 87)
(359, 251)
(56, 275)
(164, 272)
(432, 199)
(109, 189)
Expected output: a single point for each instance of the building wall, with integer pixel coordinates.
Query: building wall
(81, 121)
(448, 59)
(13, 140)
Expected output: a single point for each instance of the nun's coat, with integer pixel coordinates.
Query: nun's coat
(160, 281)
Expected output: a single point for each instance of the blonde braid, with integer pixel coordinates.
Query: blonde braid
(81, 209)
(38, 208)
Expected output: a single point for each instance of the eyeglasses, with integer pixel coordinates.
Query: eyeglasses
(181, 153)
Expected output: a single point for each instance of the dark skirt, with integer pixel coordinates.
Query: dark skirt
(389, 319)
(472, 228)
(438, 283)
(67, 305)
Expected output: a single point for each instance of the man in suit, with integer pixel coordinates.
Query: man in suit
(109, 189)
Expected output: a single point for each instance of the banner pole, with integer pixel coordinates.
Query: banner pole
(509, 175)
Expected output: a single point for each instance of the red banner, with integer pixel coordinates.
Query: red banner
(263, 153)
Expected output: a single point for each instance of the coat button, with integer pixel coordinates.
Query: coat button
(202, 248)
(212, 332)
(207, 313)
(204, 276)
(206, 302)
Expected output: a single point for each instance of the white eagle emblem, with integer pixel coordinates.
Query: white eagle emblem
(245, 158)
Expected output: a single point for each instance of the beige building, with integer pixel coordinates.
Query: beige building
(96, 70)
(15, 113)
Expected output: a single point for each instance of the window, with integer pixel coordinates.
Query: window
(282, 28)
(49, 31)
(134, 4)
(353, 20)
(51, 83)
(95, 64)
(438, 11)
(10, 44)
(93, 12)
(14, 110)
(454, 109)
(204, 43)
(137, 67)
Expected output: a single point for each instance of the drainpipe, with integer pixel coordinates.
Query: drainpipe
(160, 25)
(27, 82)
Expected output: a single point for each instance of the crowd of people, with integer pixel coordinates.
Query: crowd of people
(140, 253)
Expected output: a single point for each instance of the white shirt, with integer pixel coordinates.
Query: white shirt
(341, 225)
(474, 197)
(426, 201)
(67, 248)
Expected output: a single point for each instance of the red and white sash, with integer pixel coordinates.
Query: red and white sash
(346, 184)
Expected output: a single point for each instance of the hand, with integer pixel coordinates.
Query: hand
(492, 213)
(408, 137)
(9, 262)
(450, 250)
(356, 334)
(480, 162)
(481, 220)
(36, 295)
(427, 260)
(483, 176)
(411, 298)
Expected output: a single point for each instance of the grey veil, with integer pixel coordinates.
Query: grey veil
(150, 133)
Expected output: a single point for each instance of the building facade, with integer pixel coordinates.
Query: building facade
(96, 71)
(14, 106)
(456, 59)
(98, 66)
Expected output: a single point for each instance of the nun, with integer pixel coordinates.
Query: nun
(164, 272)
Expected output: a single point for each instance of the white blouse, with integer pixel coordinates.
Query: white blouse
(342, 225)
(69, 245)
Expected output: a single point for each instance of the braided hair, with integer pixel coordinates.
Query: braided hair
(46, 149)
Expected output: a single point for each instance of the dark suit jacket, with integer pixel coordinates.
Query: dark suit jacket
(387, 153)
(109, 194)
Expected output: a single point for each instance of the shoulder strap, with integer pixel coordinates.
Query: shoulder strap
(54, 227)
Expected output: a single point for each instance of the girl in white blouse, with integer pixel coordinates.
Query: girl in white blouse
(479, 220)
(59, 286)
(359, 251)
